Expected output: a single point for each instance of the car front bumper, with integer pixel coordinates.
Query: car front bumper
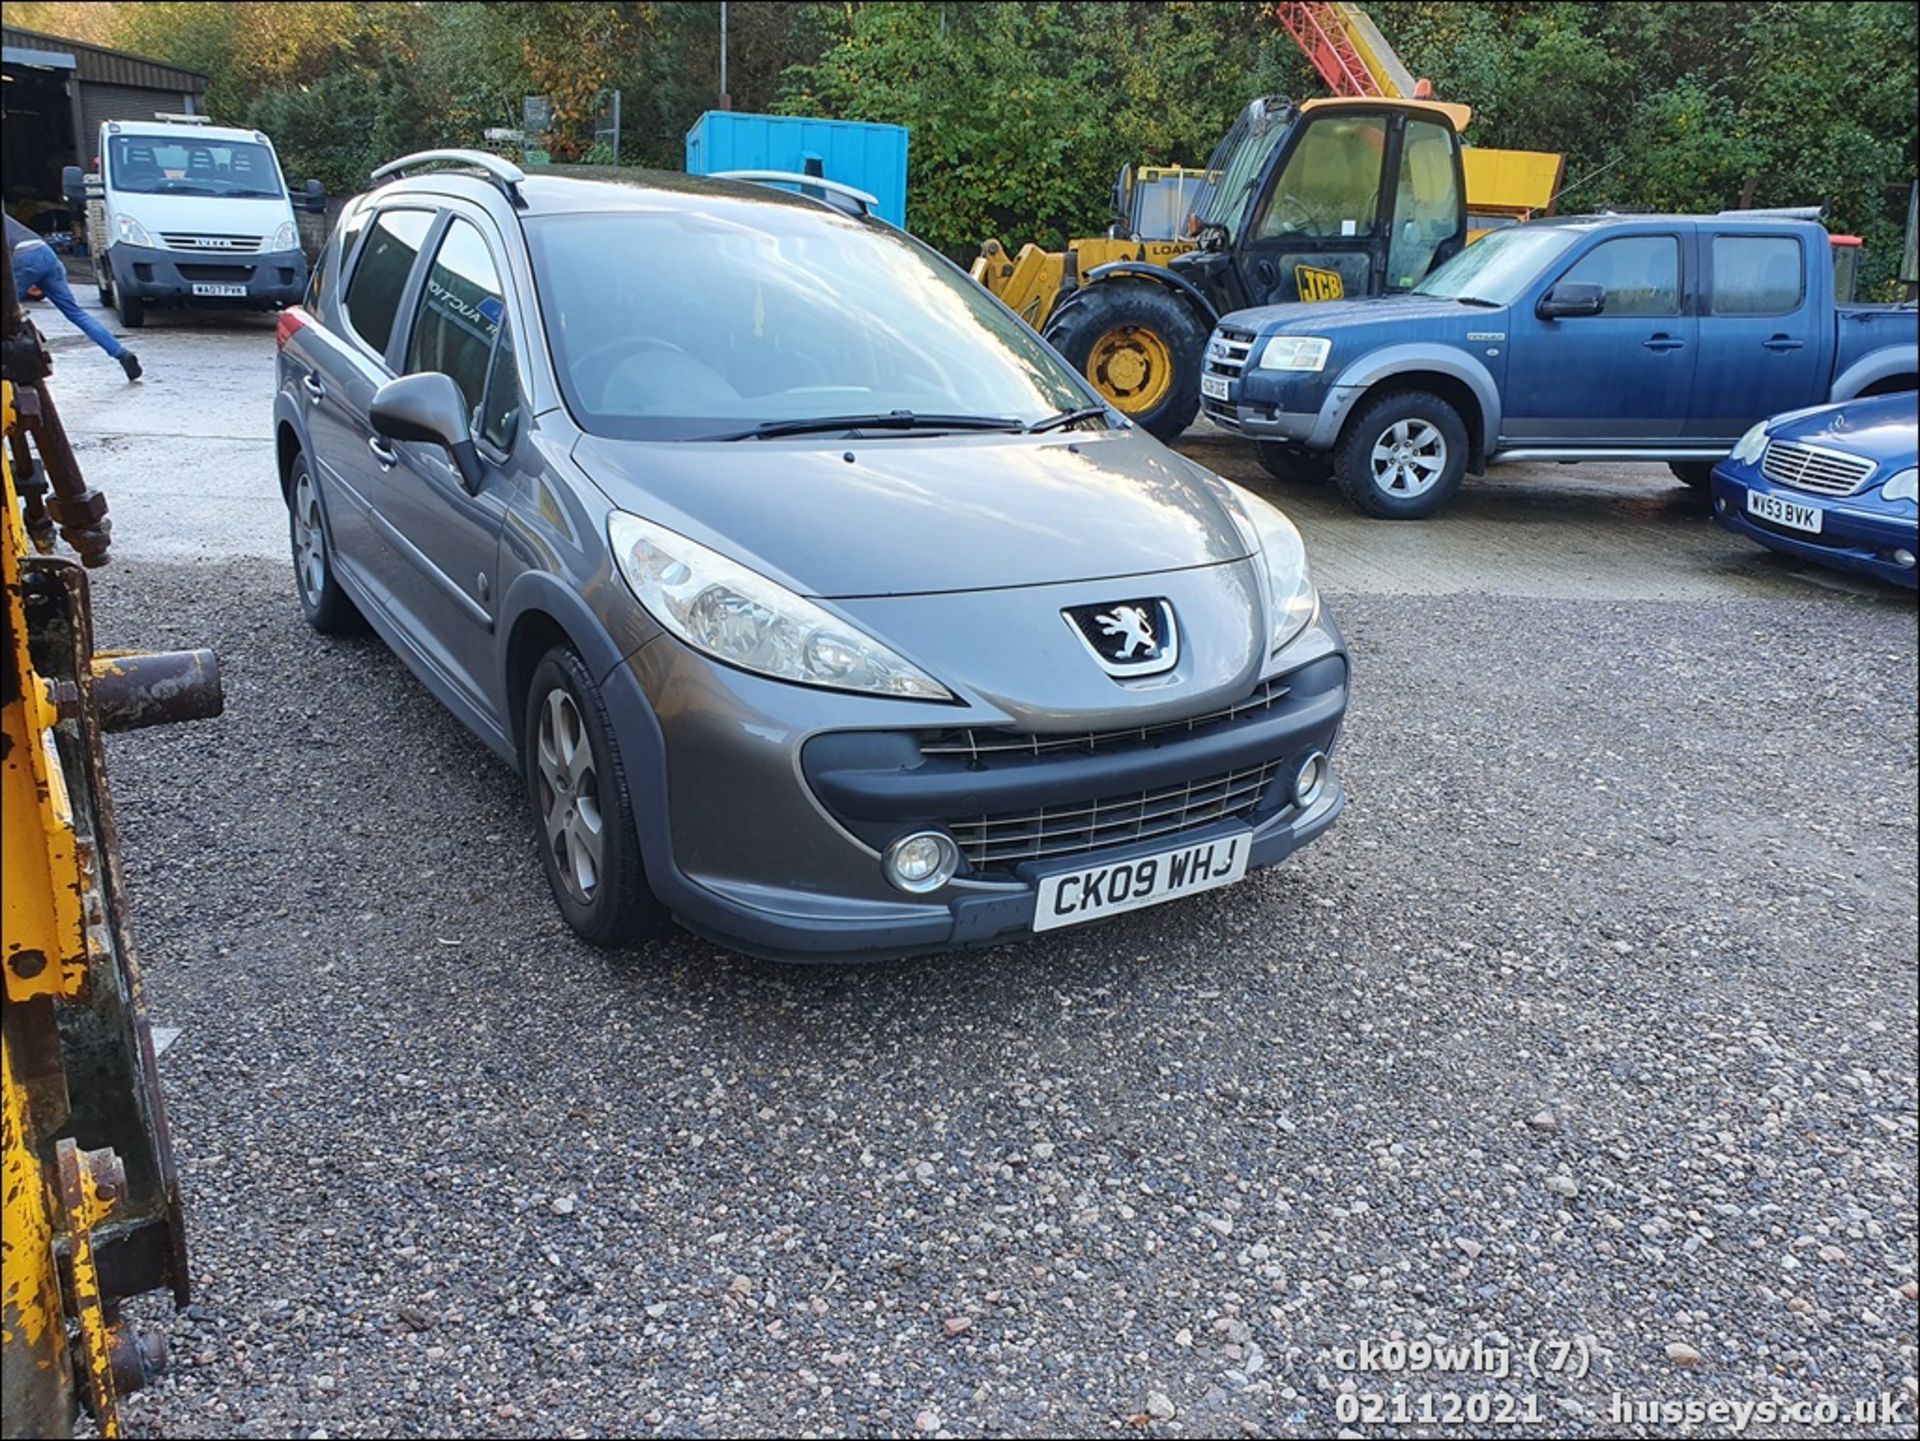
(767, 837)
(168, 277)
(1851, 538)
(1281, 405)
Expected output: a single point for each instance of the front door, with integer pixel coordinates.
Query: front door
(1622, 377)
(447, 536)
(1360, 204)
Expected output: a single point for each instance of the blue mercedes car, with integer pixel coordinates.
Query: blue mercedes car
(1834, 484)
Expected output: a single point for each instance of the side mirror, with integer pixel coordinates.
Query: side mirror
(1572, 297)
(316, 198)
(430, 410)
(73, 188)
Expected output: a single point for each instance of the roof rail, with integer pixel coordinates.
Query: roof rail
(867, 202)
(1785, 212)
(503, 173)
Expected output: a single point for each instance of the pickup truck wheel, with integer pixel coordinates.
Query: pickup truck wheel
(1403, 456)
(1292, 463)
(132, 310)
(583, 808)
(1694, 474)
(1141, 346)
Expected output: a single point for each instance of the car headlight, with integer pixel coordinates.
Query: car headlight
(133, 232)
(737, 615)
(1291, 598)
(1903, 486)
(287, 237)
(1751, 446)
(1295, 352)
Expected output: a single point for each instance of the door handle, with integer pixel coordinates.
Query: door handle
(316, 392)
(1782, 342)
(1663, 342)
(382, 452)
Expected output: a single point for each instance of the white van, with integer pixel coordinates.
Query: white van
(183, 212)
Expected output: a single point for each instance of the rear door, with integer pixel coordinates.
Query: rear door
(447, 538)
(1623, 377)
(346, 363)
(1761, 351)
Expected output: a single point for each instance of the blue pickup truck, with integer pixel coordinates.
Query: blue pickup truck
(1649, 337)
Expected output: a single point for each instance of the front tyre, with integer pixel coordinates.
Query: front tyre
(131, 309)
(583, 809)
(1140, 344)
(1402, 456)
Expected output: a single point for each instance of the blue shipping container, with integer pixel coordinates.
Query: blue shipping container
(870, 157)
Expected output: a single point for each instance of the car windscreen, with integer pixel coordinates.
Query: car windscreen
(684, 324)
(1497, 267)
(162, 165)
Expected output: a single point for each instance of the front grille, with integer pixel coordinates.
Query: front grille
(1227, 352)
(1808, 467)
(991, 842)
(982, 745)
(217, 274)
(230, 244)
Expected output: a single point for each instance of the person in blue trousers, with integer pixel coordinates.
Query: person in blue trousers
(35, 266)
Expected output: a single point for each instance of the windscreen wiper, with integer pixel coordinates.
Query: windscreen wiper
(888, 420)
(1066, 417)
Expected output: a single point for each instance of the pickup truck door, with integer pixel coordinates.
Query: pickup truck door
(1623, 377)
(1766, 334)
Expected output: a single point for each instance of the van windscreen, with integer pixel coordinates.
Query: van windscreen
(192, 165)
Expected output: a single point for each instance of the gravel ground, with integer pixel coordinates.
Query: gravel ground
(1592, 1022)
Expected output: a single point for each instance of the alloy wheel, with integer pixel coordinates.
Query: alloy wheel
(570, 813)
(309, 541)
(1409, 458)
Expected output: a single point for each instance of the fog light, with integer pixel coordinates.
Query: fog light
(1310, 781)
(1903, 558)
(923, 861)
(1720, 504)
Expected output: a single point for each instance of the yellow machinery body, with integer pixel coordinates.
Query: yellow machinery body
(92, 1207)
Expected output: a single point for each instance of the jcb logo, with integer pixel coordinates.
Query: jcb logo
(1316, 284)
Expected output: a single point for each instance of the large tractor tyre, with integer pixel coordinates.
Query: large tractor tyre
(1402, 456)
(1294, 464)
(1140, 344)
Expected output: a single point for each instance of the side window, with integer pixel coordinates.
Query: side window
(500, 407)
(380, 275)
(1756, 274)
(1640, 273)
(1426, 203)
(459, 323)
(1330, 186)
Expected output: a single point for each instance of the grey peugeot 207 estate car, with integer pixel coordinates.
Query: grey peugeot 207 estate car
(822, 607)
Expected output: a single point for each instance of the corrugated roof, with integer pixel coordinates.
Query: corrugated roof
(110, 67)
